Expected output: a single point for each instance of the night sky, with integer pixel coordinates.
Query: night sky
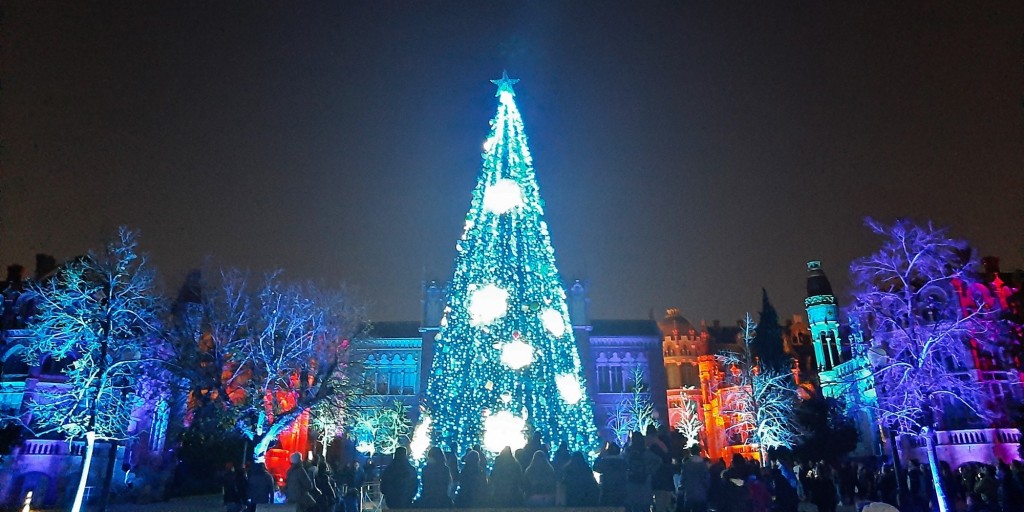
(688, 154)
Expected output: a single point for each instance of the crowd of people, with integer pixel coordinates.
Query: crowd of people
(650, 473)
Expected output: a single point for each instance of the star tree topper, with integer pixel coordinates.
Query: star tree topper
(505, 84)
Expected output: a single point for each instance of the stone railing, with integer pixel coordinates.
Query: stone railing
(971, 436)
(51, 447)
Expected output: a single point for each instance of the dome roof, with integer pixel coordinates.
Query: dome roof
(817, 282)
(674, 323)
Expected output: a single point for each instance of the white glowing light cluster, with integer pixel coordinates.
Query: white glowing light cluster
(420, 439)
(517, 354)
(569, 388)
(553, 322)
(487, 304)
(504, 429)
(365, 447)
(503, 196)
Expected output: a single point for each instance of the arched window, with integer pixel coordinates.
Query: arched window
(14, 366)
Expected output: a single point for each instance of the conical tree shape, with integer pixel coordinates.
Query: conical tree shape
(768, 345)
(506, 364)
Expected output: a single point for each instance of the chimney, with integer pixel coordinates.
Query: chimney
(15, 274)
(990, 264)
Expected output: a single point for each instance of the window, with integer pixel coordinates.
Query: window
(392, 374)
(158, 431)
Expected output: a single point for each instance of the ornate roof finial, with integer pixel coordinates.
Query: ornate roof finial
(505, 84)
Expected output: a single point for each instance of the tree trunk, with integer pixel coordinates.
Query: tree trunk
(108, 475)
(901, 482)
(933, 463)
(90, 443)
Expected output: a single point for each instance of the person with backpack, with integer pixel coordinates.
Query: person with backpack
(640, 466)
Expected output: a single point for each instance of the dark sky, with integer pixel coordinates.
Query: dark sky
(688, 153)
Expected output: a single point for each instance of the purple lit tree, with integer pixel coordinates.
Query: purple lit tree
(904, 296)
(101, 312)
(260, 357)
(762, 401)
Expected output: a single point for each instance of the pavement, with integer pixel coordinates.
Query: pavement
(210, 502)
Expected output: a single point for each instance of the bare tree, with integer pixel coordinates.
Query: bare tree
(920, 331)
(635, 412)
(101, 312)
(761, 401)
(381, 428)
(265, 356)
(689, 424)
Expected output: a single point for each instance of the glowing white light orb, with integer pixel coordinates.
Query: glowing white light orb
(517, 354)
(420, 439)
(553, 322)
(569, 388)
(487, 304)
(365, 447)
(504, 429)
(506, 97)
(503, 196)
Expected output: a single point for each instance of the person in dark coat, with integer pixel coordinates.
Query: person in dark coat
(823, 490)
(612, 468)
(473, 490)
(559, 459)
(234, 487)
(437, 480)
(324, 481)
(260, 487)
(694, 479)
(786, 499)
(299, 487)
(528, 450)
(578, 481)
(506, 481)
(539, 481)
(735, 492)
(398, 482)
(641, 465)
(662, 481)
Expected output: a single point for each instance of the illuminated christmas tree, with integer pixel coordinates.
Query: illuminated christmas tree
(506, 364)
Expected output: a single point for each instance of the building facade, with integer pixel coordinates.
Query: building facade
(845, 371)
(50, 466)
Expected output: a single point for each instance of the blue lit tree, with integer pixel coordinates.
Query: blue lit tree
(101, 312)
(506, 362)
(905, 300)
(636, 412)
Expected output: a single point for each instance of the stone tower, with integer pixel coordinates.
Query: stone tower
(822, 318)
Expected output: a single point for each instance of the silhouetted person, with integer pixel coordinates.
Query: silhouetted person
(398, 482)
(472, 483)
(578, 481)
(612, 468)
(506, 481)
(437, 481)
